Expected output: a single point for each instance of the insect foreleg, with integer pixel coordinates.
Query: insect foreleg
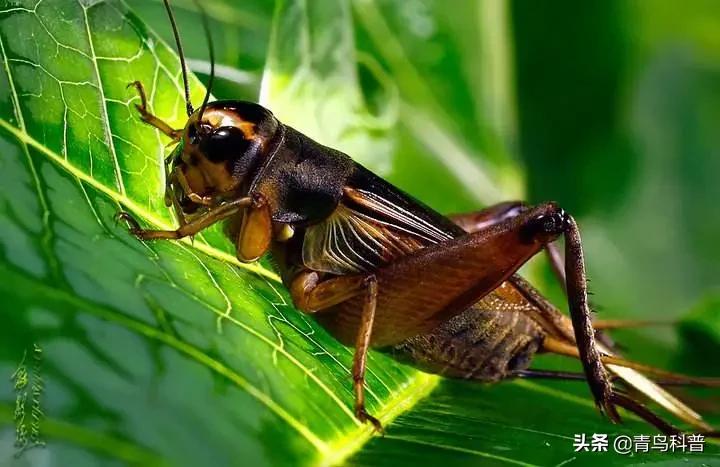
(191, 228)
(151, 119)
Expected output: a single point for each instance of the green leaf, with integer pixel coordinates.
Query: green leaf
(512, 423)
(311, 82)
(174, 353)
(149, 351)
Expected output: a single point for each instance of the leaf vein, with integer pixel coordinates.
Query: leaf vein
(169, 340)
(103, 105)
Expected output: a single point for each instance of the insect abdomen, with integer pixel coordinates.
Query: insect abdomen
(477, 344)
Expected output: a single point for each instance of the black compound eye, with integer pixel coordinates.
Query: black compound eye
(224, 143)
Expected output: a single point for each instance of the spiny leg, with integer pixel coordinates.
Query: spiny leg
(151, 119)
(191, 228)
(573, 273)
(575, 281)
(471, 222)
(632, 375)
(639, 382)
(557, 325)
(580, 315)
(556, 262)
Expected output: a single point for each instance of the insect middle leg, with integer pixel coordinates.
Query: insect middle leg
(362, 345)
(311, 295)
(151, 119)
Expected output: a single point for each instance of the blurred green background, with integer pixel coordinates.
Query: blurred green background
(611, 108)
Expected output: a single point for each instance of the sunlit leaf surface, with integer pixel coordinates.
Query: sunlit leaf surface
(162, 351)
(173, 353)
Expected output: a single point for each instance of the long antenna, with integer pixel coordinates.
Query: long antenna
(208, 36)
(188, 105)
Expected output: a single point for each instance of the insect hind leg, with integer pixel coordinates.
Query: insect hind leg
(572, 273)
(495, 214)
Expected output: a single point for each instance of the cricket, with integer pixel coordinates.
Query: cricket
(379, 269)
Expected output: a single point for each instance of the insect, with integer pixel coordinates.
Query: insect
(379, 269)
